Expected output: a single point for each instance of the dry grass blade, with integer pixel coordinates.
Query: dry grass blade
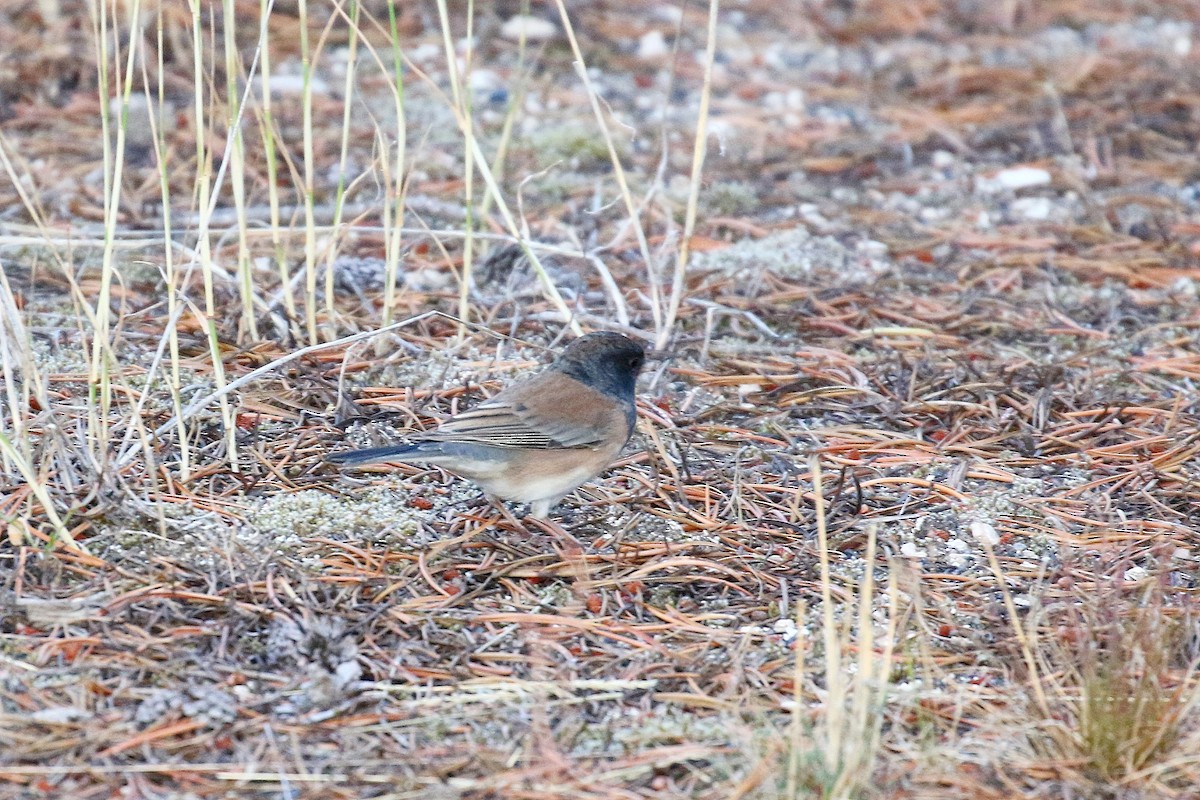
(911, 510)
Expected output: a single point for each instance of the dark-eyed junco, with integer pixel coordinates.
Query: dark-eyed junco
(540, 439)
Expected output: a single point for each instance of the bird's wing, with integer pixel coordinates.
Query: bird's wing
(551, 412)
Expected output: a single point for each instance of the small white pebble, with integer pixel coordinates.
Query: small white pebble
(1013, 179)
(811, 213)
(774, 101)
(871, 248)
(1034, 209)
(1135, 574)
(944, 159)
(535, 29)
(785, 626)
(910, 550)
(744, 390)
(347, 672)
(425, 52)
(985, 533)
(59, 715)
(484, 80)
(1185, 286)
(292, 85)
(653, 45)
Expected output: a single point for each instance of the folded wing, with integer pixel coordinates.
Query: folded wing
(543, 416)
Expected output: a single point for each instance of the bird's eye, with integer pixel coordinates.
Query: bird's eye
(636, 362)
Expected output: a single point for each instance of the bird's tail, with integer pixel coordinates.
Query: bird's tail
(371, 455)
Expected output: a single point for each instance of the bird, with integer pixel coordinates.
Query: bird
(541, 438)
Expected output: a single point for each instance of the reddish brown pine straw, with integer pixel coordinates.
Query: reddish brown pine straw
(911, 513)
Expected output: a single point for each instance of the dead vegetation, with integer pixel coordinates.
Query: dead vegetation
(932, 423)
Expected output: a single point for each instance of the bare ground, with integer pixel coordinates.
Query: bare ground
(949, 255)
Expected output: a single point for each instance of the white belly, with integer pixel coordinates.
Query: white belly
(524, 489)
